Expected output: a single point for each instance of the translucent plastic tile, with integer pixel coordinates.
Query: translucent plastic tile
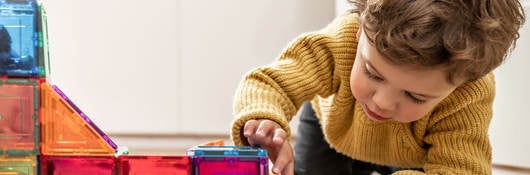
(65, 132)
(43, 46)
(247, 151)
(77, 165)
(19, 106)
(18, 165)
(159, 165)
(85, 117)
(219, 142)
(229, 160)
(21, 53)
(230, 165)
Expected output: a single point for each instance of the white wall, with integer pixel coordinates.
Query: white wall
(225, 39)
(341, 6)
(118, 61)
(168, 66)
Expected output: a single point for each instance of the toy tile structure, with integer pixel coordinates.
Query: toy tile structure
(43, 132)
(214, 160)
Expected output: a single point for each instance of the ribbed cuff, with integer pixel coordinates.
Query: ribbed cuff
(239, 123)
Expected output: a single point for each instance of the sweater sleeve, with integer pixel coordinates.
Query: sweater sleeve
(304, 69)
(457, 134)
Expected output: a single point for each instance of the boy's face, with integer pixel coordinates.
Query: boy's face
(392, 92)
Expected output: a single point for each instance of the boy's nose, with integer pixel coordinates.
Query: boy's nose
(383, 103)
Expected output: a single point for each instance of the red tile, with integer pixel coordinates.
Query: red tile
(77, 165)
(159, 165)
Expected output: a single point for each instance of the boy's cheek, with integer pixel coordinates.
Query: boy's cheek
(358, 86)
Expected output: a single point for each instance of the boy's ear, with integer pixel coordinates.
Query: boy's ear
(359, 31)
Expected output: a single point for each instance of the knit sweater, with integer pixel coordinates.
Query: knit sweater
(451, 139)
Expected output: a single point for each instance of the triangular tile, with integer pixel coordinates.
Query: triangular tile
(65, 132)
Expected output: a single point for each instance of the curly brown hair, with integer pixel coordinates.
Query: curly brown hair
(467, 38)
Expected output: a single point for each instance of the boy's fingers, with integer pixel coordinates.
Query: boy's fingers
(284, 160)
(279, 136)
(250, 127)
(263, 132)
(265, 127)
(289, 169)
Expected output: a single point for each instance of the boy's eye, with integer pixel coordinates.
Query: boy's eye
(371, 76)
(414, 99)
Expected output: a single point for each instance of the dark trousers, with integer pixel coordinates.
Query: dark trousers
(313, 155)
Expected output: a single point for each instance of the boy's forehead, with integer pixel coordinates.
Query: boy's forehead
(369, 52)
(406, 77)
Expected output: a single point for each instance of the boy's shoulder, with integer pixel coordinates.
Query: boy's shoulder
(348, 18)
(473, 91)
(479, 89)
(475, 97)
(345, 23)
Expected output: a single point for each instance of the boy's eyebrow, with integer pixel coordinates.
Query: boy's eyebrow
(423, 95)
(373, 68)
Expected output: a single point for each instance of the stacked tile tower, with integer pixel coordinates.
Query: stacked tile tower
(43, 132)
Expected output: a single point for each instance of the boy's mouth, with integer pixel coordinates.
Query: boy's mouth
(372, 115)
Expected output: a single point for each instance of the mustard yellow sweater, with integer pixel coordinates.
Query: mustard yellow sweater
(451, 139)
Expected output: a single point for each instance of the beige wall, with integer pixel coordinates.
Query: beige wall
(168, 66)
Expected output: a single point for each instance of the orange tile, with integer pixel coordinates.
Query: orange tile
(64, 131)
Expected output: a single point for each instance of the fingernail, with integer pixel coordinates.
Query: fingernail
(276, 170)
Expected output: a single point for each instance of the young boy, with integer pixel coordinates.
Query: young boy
(397, 86)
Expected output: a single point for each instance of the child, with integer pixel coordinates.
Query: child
(397, 86)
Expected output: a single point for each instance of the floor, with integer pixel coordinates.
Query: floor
(500, 171)
(170, 145)
(504, 170)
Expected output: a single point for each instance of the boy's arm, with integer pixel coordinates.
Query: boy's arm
(304, 69)
(457, 134)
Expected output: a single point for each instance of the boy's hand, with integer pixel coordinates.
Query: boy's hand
(269, 135)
